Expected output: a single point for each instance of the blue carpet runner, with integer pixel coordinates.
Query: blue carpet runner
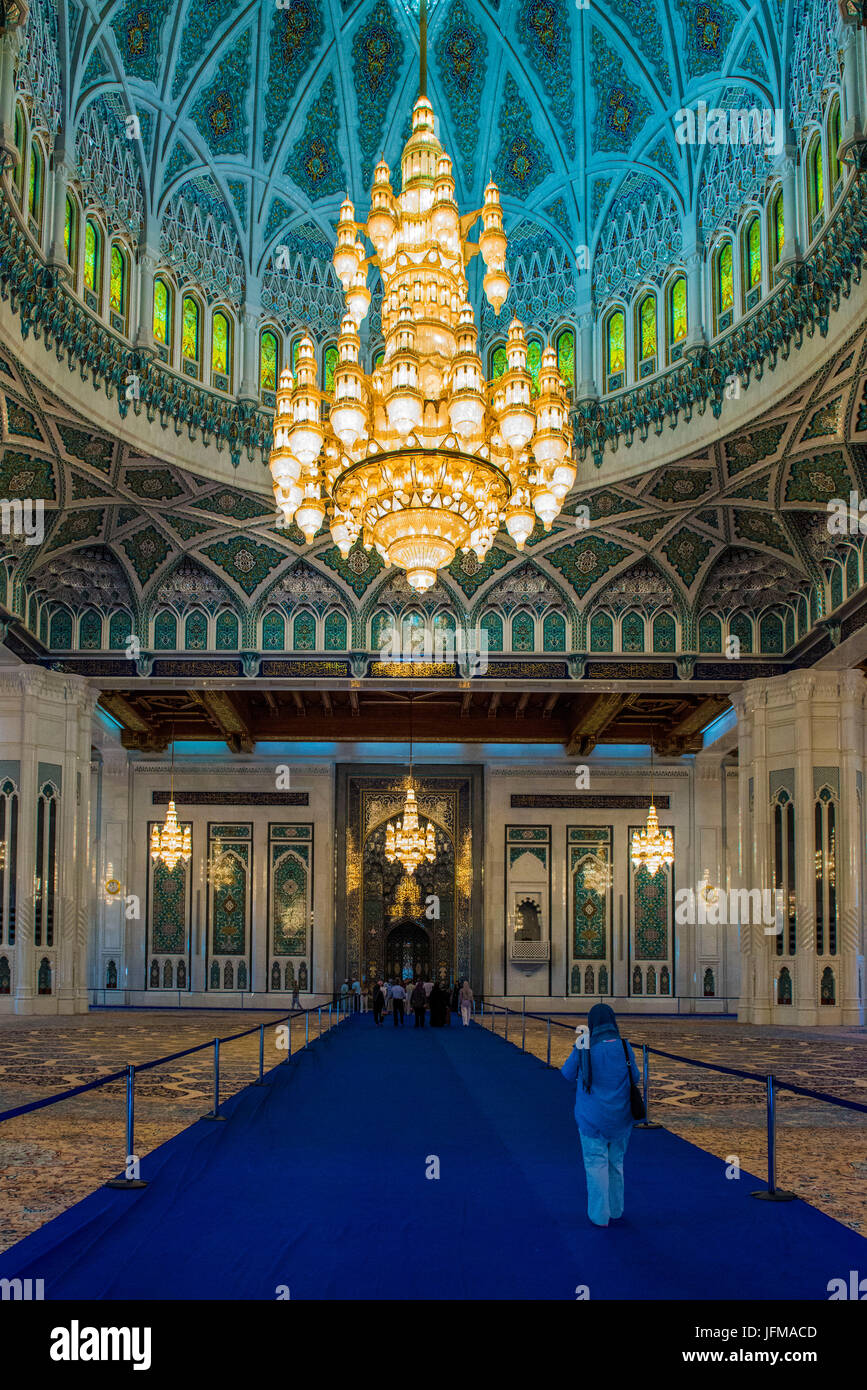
(317, 1182)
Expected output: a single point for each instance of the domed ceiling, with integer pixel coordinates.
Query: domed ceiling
(264, 116)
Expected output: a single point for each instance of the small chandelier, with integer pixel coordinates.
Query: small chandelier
(171, 843)
(405, 840)
(421, 457)
(652, 848)
(221, 869)
(597, 876)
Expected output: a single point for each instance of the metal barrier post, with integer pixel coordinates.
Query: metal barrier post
(549, 1040)
(523, 1022)
(506, 1033)
(289, 1048)
(773, 1193)
(329, 1017)
(306, 1026)
(319, 1034)
(131, 1160)
(493, 1007)
(215, 1113)
(646, 1123)
(261, 1080)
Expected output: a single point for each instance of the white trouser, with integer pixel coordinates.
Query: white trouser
(466, 1010)
(603, 1165)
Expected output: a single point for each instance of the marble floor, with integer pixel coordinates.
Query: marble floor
(51, 1158)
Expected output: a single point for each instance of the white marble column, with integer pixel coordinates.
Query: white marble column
(694, 261)
(586, 374)
(62, 172)
(787, 168)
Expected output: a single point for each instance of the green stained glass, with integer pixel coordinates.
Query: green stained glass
(161, 312)
(601, 633)
(534, 364)
(379, 358)
(295, 347)
(678, 309)
(304, 633)
(726, 278)
(268, 362)
(566, 357)
(833, 152)
(335, 632)
(492, 625)
(817, 179)
(616, 346)
(330, 369)
(779, 226)
(117, 290)
(647, 315)
(35, 194)
(499, 363)
(19, 145)
(165, 632)
(523, 633)
(190, 337)
(92, 255)
(754, 253)
(220, 345)
(69, 222)
(196, 632)
(226, 629)
(273, 633)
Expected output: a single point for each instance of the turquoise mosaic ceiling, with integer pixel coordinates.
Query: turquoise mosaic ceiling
(269, 114)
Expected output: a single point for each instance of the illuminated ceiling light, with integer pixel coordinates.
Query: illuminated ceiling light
(221, 868)
(596, 873)
(405, 839)
(422, 457)
(652, 848)
(171, 843)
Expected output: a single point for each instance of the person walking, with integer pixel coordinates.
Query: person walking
(398, 995)
(466, 998)
(378, 1002)
(604, 1066)
(439, 1006)
(388, 988)
(456, 997)
(296, 1002)
(344, 995)
(418, 999)
(356, 995)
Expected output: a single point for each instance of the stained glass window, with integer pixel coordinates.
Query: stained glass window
(162, 312)
(664, 633)
(196, 632)
(273, 633)
(304, 633)
(19, 145)
(492, 624)
(647, 327)
(269, 361)
(554, 633)
(741, 627)
(61, 629)
(34, 200)
(190, 328)
(534, 364)
(601, 633)
(778, 226)
(834, 144)
(523, 633)
(615, 351)
(379, 357)
(709, 633)
(499, 363)
(329, 368)
(90, 630)
(165, 632)
(226, 631)
(335, 632)
(119, 629)
(725, 282)
(117, 289)
(70, 230)
(632, 633)
(677, 310)
(753, 247)
(220, 345)
(566, 357)
(92, 255)
(817, 180)
(295, 347)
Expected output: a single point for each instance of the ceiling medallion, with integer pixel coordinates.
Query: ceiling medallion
(421, 457)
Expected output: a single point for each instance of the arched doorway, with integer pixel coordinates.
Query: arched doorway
(408, 952)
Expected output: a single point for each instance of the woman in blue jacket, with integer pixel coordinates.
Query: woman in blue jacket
(604, 1065)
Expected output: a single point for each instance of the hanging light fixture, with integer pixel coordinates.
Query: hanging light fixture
(421, 457)
(405, 840)
(597, 875)
(652, 848)
(171, 843)
(221, 869)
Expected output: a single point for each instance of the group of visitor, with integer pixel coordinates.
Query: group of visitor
(423, 997)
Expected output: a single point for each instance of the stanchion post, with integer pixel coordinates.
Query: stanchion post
(215, 1113)
(646, 1123)
(506, 1030)
(131, 1160)
(306, 1026)
(549, 1040)
(319, 1034)
(261, 1079)
(773, 1193)
(523, 1022)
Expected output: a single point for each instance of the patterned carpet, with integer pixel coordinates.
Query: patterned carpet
(53, 1157)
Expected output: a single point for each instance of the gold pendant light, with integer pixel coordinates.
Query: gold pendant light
(405, 839)
(421, 457)
(171, 843)
(221, 868)
(652, 848)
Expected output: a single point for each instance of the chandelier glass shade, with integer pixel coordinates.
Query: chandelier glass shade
(406, 841)
(171, 843)
(597, 875)
(221, 869)
(652, 848)
(421, 457)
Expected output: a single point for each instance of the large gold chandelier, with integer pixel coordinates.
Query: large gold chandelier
(421, 457)
(405, 839)
(171, 843)
(652, 848)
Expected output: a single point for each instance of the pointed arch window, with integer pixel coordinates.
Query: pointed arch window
(9, 863)
(165, 631)
(70, 231)
(60, 631)
(724, 286)
(632, 633)
(554, 633)
(834, 169)
(566, 357)
(35, 187)
(226, 631)
(601, 633)
(118, 292)
(329, 367)
(815, 186)
(46, 866)
(499, 362)
(646, 333)
(615, 350)
(21, 146)
(92, 264)
(196, 631)
(335, 632)
(273, 632)
(191, 335)
(534, 363)
(785, 869)
(304, 633)
(90, 631)
(777, 228)
(523, 633)
(119, 630)
(492, 632)
(677, 321)
(163, 310)
(825, 820)
(741, 627)
(752, 262)
(221, 351)
(269, 367)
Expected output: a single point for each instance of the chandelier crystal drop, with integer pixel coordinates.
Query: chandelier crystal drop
(405, 839)
(652, 848)
(597, 875)
(221, 870)
(171, 843)
(421, 457)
